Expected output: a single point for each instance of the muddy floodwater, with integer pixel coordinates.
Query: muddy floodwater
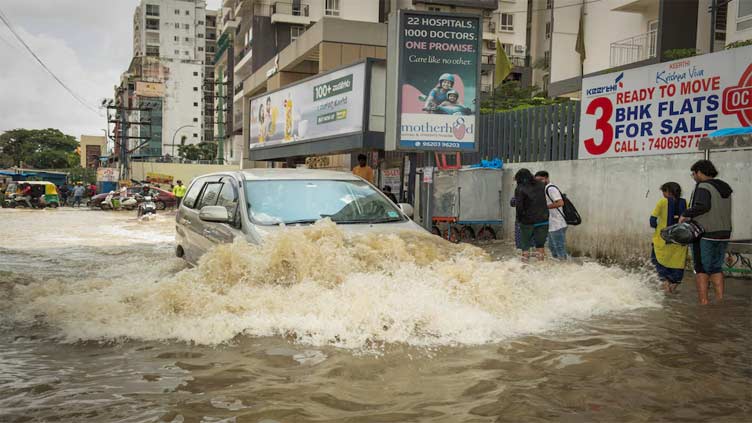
(99, 322)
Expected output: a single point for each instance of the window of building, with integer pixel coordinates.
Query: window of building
(187, 40)
(507, 49)
(332, 8)
(177, 11)
(195, 135)
(177, 38)
(200, 23)
(548, 30)
(506, 22)
(195, 104)
(743, 15)
(549, 4)
(200, 35)
(547, 59)
(195, 73)
(187, 13)
(434, 9)
(195, 119)
(186, 26)
(152, 51)
(186, 53)
(152, 24)
(200, 49)
(296, 31)
(177, 51)
(177, 26)
(152, 10)
(211, 49)
(195, 88)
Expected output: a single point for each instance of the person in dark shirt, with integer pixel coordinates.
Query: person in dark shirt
(710, 207)
(388, 192)
(532, 213)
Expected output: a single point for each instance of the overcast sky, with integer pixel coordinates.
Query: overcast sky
(86, 43)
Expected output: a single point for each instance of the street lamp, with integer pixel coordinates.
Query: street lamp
(175, 133)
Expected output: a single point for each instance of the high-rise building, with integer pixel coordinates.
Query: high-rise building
(167, 74)
(209, 87)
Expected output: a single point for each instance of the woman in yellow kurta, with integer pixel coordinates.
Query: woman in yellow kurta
(669, 259)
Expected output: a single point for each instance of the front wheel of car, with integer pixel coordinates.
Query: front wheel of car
(160, 205)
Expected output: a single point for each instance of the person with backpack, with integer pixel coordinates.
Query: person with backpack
(710, 207)
(532, 214)
(557, 225)
(669, 258)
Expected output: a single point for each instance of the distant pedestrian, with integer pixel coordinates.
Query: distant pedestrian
(64, 191)
(388, 192)
(92, 190)
(78, 193)
(179, 192)
(362, 169)
(532, 213)
(557, 225)
(710, 207)
(669, 259)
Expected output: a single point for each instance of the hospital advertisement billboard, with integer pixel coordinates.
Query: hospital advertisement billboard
(665, 108)
(437, 84)
(330, 105)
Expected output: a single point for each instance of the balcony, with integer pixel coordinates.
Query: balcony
(634, 49)
(634, 6)
(243, 62)
(490, 60)
(292, 13)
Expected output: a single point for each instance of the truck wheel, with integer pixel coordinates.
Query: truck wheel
(486, 234)
(467, 234)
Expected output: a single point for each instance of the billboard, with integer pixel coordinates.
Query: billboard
(665, 108)
(437, 84)
(107, 174)
(150, 89)
(329, 105)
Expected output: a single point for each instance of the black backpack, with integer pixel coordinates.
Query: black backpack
(569, 211)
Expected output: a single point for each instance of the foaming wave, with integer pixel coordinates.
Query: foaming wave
(322, 286)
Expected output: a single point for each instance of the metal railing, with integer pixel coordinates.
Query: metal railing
(634, 49)
(490, 59)
(489, 26)
(294, 9)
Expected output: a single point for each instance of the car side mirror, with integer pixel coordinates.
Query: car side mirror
(216, 214)
(407, 209)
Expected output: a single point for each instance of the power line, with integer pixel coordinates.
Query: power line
(21, 40)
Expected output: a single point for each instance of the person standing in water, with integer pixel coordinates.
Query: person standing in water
(532, 213)
(710, 207)
(669, 259)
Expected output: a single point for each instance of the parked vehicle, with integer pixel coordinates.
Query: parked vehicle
(113, 201)
(253, 204)
(147, 207)
(162, 199)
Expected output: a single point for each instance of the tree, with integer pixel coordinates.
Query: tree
(511, 96)
(200, 151)
(38, 148)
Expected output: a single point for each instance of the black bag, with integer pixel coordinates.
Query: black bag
(568, 211)
(682, 233)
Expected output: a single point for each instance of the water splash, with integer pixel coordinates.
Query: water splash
(322, 286)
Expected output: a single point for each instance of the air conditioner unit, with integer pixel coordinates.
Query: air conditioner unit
(519, 49)
(491, 44)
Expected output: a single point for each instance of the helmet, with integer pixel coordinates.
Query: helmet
(682, 233)
(452, 92)
(447, 77)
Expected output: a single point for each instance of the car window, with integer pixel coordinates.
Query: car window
(228, 196)
(210, 195)
(190, 197)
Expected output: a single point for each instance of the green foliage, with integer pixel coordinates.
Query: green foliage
(741, 43)
(511, 96)
(38, 148)
(200, 151)
(86, 175)
(679, 53)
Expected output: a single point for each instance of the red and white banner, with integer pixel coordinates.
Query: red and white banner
(665, 108)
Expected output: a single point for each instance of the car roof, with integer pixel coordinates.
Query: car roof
(261, 174)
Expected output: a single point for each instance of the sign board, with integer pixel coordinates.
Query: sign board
(437, 84)
(391, 177)
(329, 105)
(665, 108)
(158, 178)
(427, 175)
(150, 89)
(107, 174)
(92, 155)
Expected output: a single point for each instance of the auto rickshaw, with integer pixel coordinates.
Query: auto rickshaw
(43, 194)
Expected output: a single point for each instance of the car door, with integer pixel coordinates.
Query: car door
(217, 233)
(188, 222)
(201, 230)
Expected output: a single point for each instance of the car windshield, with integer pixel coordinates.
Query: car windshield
(306, 201)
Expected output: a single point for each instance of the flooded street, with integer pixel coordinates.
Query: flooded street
(100, 322)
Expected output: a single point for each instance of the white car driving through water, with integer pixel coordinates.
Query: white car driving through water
(252, 204)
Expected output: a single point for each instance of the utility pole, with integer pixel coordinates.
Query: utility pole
(713, 12)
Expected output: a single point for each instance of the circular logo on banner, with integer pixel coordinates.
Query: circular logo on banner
(738, 100)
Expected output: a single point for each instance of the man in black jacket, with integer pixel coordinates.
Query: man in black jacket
(531, 213)
(710, 206)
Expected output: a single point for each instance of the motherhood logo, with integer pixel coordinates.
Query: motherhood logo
(605, 89)
(457, 129)
(738, 100)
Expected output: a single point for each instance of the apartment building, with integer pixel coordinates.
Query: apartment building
(618, 34)
(166, 74)
(210, 98)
